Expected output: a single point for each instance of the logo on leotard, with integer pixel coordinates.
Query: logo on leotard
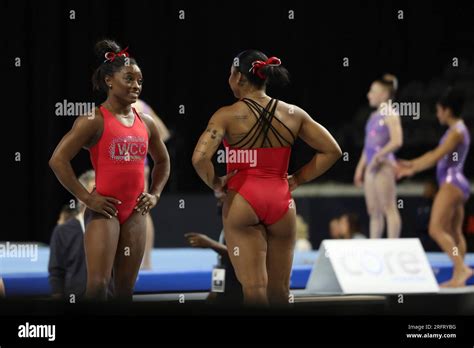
(128, 149)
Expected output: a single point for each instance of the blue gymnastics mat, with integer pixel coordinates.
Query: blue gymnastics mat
(175, 270)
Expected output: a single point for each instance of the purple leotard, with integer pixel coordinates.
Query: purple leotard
(377, 136)
(450, 168)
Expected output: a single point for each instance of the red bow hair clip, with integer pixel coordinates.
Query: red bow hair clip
(110, 56)
(259, 64)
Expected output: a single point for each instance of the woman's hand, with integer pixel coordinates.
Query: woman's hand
(292, 182)
(359, 177)
(377, 162)
(198, 240)
(220, 182)
(102, 204)
(404, 169)
(146, 202)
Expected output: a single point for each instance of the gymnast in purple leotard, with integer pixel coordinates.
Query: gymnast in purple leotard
(377, 135)
(450, 168)
(447, 213)
(376, 167)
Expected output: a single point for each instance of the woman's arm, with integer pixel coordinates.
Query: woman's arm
(161, 168)
(198, 240)
(207, 146)
(359, 173)
(322, 141)
(362, 161)
(160, 156)
(430, 158)
(396, 135)
(83, 131)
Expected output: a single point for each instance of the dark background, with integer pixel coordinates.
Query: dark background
(187, 62)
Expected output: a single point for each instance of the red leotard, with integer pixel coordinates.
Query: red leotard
(263, 183)
(119, 161)
(264, 187)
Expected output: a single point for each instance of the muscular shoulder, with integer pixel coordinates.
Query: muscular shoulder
(391, 114)
(291, 109)
(456, 135)
(292, 112)
(241, 108)
(89, 128)
(150, 123)
(146, 118)
(91, 121)
(229, 110)
(224, 113)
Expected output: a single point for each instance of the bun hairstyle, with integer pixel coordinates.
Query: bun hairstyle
(390, 82)
(110, 58)
(453, 98)
(260, 70)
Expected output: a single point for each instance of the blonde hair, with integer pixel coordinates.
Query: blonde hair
(87, 177)
(302, 229)
(389, 81)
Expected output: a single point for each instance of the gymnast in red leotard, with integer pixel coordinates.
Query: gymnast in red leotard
(125, 146)
(270, 173)
(118, 138)
(259, 215)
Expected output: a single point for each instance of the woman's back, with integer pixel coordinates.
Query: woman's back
(262, 123)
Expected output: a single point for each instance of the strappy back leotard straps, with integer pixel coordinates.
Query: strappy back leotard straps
(263, 125)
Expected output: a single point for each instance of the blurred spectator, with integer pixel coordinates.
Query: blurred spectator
(2, 288)
(67, 262)
(346, 226)
(350, 227)
(67, 268)
(232, 294)
(334, 228)
(144, 108)
(67, 212)
(150, 229)
(165, 134)
(302, 235)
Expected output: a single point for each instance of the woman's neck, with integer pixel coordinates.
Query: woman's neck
(384, 104)
(254, 94)
(116, 107)
(452, 121)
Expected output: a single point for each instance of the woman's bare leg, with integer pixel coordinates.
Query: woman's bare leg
(100, 245)
(150, 230)
(2, 288)
(440, 229)
(128, 258)
(458, 236)
(150, 240)
(386, 190)
(376, 217)
(281, 237)
(247, 247)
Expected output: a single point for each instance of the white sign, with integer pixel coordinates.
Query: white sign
(372, 266)
(218, 280)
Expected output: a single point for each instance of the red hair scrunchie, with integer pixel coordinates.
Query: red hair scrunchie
(110, 56)
(259, 64)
